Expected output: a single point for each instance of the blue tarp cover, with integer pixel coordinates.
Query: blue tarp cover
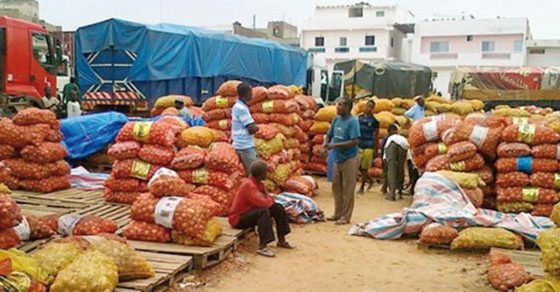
(167, 51)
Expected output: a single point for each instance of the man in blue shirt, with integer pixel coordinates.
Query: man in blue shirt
(343, 139)
(369, 129)
(416, 112)
(243, 127)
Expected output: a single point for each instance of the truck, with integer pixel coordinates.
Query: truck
(514, 86)
(126, 66)
(29, 61)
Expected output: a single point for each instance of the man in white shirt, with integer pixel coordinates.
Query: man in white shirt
(394, 156)
(73, 106)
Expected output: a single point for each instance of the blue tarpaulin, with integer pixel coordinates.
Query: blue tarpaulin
(172, 59)
(86, 135)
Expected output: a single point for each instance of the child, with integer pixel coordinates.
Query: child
(394, 154)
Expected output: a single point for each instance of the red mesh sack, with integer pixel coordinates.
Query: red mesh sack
(166, 185)
(120, 197)
(260, 118)
(476, 196)
(10, 213)
(47, 152)
(433, 149)
(124, 150)
(222, 157)
(317, 167)
(498, 258)
(486, 174)
(300, 135)
(546, 180)
(513, 150)
(549, 151)
(486, 139)
(544, 210)
(278, 92)
(305, 125)
(288, 132)
(437, 234)
(305, 148)
(122, 184)
(260, 94)
(134, 168)
(420, 161)
(300, 185)
(7, 151)
(266, 132)
(159, 133)
(429, 130)
(33, 116)
(29, 170)
(291, 143)
(54, 136)
(530, 134)
(319, 151)
(219, 125)
(170, 111)
(307, 103)
(38, 229)
(20, 136)
(156, 154)
(288, 120)
(219, 102)
(156, 111)
(512, 179)
(92, 225)
(526, 164)
(223, 198)
(217, 114)
(507, 277)
(189, 157)
(318, 139)
(202, 176)
(174, 121)
(275, 106)
(441, 162)
(9, 238)
(146, 232)
(529, 195)
(228, 88)
(308, 114)
(461, 151)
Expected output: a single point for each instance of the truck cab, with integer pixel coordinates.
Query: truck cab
(326, 86)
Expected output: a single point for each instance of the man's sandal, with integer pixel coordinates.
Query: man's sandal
(265, 252)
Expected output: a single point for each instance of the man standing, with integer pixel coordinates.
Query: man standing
(184, 112)
(343, 139)
(369, 129)
(416, 112)
(73, 106)
(394, 155)
(243, 127)
(67, 90)
(253, 206)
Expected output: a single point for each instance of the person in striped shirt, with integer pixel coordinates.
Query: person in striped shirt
(243, 127)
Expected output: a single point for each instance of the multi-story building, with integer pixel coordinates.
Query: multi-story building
(543, 53)
(361, 31)
(445, 45)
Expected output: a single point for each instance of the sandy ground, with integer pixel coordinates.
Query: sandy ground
(328, 259)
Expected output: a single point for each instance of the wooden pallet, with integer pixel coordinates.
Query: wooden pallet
(41, 206)
(169, 270)
(529, 259)
(76, 195)
(239, 234)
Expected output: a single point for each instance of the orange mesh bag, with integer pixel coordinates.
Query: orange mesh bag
(143, 231)
(20, 136)
(319, 151)
(47, 152)
(299, 185)
(438, 234)
(530, 134)
(31, 228)
(275, 106)
(529, 195)
(260, 94)
(476, 196)
(461, 151)
(278, 92)
(219, 125)
(222, 157)
(544, 210)
(7, 151)
(288, 132)
(526, 164)
(143, 208)
(134, 168)
(156, 112)
(507, 277)
(305, 148)
(266, 132)
(189, 157)
(54, 136)
(433, 149)
(217, 114)
(92, 225)
(170, 111)
(196, 111)
(120, 197)
(166, 185)
(260, 118)
(196, 136)
(228, 88)
(512, 179)
(223, 198)
(549, 151)
(9, 238)
(156, 154)
(33, 116)
(288, 120)
(124, 150)
(291, 143)
(300, 135)
(308, 114)
(375, 172)
(429, 130)
(10, 213)
(305, 125)
(314, 166)
(219, 102)
(513, 150)
(175, 121)
(29, 170)
(486, 139)
(122, 184)
(306, 103)
(486, 175)
(441, 162)
(318, 139)
(546, 180)
(202, 176)
(160, 133)
(498, 258)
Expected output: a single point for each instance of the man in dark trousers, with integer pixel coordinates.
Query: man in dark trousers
(253, 206)
(369, 130)
(394, 156)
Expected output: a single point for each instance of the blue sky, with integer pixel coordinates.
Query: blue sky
(71, 14)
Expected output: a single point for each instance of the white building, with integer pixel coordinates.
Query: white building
(360, 31)
(543, 53)
(444, 45)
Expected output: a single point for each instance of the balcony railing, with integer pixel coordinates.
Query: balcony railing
(368, 49)
(316, 50)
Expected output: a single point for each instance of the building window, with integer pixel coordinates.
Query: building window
(392, 42)
(342, 42)
(518, 46)
(370, 40)
(488, 46)
(356, 12)
(319, 41)
(380, 13)
(439, 47)
(341, 50)
(469, 38)
(537, 51)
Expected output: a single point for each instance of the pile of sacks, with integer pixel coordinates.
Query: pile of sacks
(438, 105)
(165, 106)
(172, 211)
(387, 112)
(308, 108)
(32, 153)
(318, 131)
(527, 179)
(141, 149)
(217, 109)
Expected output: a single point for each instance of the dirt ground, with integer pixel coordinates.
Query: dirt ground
(328, 259)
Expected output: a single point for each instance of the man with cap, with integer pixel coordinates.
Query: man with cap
(184, 112)
(418, 111)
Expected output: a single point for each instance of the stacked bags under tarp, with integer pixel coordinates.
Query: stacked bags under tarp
(318, 131)
(527, 167)
(270, 144)
(211, 167)
(30, 149)
(171, 211)
(217, 109)
(438, 105)
(141, 149)
(308, 108)
(165, 105)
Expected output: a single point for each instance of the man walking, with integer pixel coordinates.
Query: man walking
(243, 127)
(343, 138)
(394, 155)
